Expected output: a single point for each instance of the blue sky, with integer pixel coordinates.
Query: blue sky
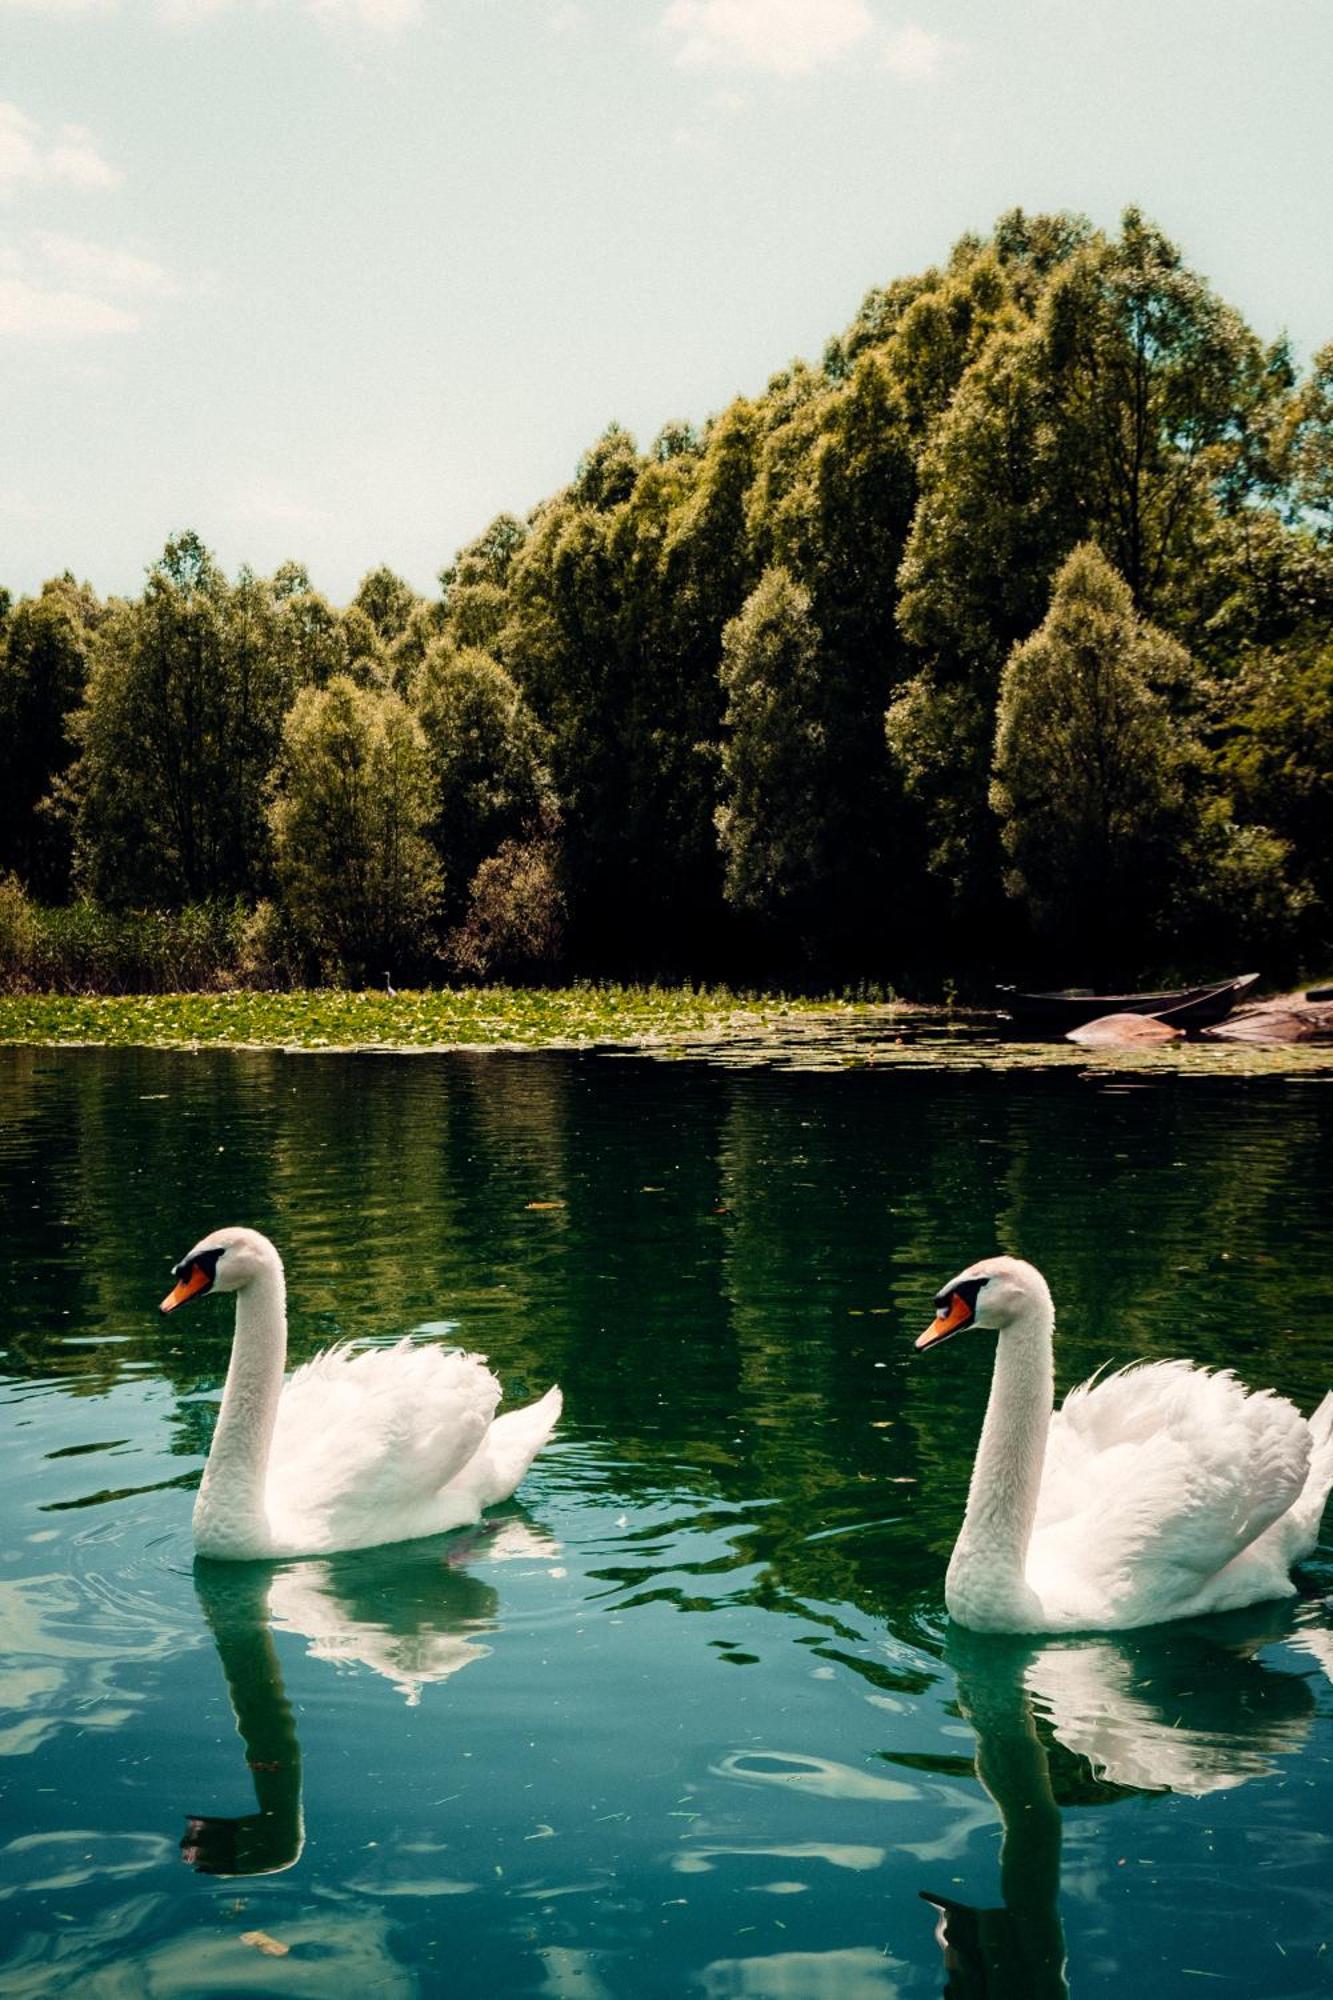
(341, 279)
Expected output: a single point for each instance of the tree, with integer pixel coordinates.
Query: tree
(998, 510)
(606, 474)
(1133, 407)
(405, 656)
(487, 756)
(387, 601)
(314, 634)
(832, 503)
(1309, 445)
(943, 332)
(474, 586)
(1165, 400)
(778, 763)
(947, 863)
(1114, 399)
(1277, 755)
(178, 732)
(612, 630)
(44, 654)
(351, 801)
(1093, 773)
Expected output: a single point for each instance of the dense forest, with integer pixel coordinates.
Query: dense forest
(999, 640)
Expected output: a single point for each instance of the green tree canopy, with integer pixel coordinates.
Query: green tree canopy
(487, 757)
(1131, 408)
(777, 760)
(387, 601)
(44, 651)
(1309, 445)
(1278, 753)
(181, 722)
(1092, 779)
(351, 801)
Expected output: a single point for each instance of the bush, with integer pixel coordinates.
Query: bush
(18, 934)
(270, 955)
(84, 949)
(515, 919)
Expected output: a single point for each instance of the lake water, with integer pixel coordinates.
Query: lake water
(687, 1717)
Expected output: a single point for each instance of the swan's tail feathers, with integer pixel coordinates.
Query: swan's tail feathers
(512, 1443)
(1308, 1511)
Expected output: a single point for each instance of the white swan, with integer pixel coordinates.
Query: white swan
(357, 1449)
(1162, 1491)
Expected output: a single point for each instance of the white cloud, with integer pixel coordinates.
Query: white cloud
(376, 14)
(75, 158)
(64, 288)
(27, 157)
(789, 37)
(103, 269)
(917, 54)
(33, 310)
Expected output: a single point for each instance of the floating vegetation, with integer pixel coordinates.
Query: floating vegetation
(705, 1024)
(460, 1018)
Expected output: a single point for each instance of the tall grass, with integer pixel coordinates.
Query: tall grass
(84, 949)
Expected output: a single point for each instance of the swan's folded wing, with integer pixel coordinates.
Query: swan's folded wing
(1156, 1477)
(369, 1436)
(509, 1447)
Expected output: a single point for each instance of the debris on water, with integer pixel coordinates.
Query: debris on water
(261, 1941)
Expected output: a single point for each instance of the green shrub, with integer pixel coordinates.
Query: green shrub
(18, 933)
(270, 955)
(515, 921)
(84, 949)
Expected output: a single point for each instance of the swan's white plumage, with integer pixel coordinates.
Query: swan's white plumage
(1155, 1480)
(360, 1447)
(372, 1439)
(1165, 1490)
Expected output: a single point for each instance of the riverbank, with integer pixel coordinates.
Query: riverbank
(709, 1025)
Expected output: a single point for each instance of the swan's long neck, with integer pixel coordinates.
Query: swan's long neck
(229, 1516)
(986, 1586)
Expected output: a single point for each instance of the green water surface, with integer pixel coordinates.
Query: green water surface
(687, 1717)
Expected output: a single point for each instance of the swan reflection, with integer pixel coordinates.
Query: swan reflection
(1189, 1709)
(414, 1614)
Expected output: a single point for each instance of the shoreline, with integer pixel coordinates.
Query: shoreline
(732, 1030)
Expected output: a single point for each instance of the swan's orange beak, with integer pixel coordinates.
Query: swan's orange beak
(196, 1280)
(951, 1318)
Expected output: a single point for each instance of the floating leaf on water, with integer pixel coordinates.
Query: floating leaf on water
(261, 1941)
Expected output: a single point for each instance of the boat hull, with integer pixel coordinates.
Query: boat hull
(1181, 1007)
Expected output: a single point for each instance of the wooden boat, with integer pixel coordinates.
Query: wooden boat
(1074, 1007)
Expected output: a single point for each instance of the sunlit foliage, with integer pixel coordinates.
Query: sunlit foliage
(730, 703)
